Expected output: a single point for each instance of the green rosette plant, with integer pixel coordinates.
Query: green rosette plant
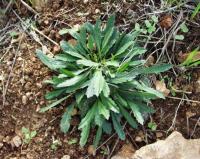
(107, 78)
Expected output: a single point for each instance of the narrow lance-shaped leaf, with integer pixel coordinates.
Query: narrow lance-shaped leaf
(84, 135)
(156, 68)
(142, 86)
(128, 117)
(103, 110)
(136, 111)
(97, 137)
(54, 94)
(89, 116)
(50, 62)
(117, 126)
(72, 81)
(67, 48)
(88, 63)
(66, 118)
(54, 104)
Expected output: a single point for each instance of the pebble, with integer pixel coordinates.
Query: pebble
(85, 1)
(1, 145)
(39, 85)
(66, 157)
(97, 11)
(17, 141)
(24, 100)
(159, 134)
(138, 139)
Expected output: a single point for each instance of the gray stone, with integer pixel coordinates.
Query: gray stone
(174, 147)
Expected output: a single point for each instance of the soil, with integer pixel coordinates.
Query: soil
(26, 90)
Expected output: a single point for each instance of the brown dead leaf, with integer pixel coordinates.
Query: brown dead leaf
(190, 114)
(161, 87)
(72, 42)
(91, 150)
(74, 112)
(56, 49)
(150, 60)
(166, 21)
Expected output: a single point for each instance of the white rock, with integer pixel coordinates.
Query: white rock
(17, 141)
(66, 157)
(24, 100)
(174, 147)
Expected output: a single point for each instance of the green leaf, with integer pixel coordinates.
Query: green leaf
(66, 118)
(97, 34)
(33, 134)
(124, 48)
(157, 68)
(137, 27)
(179, 37)
(84, 135)
(89, 116)
(88, 63)
(63, 31)
(99, 119)
(68, 49)
(106, 89)
(152, 126)
(117, 126)
(107, 38)
(109, 103)
(65, 57)
(50, 62)
(154, 18)
(147, 23)
(103, 110)
(79, 96)
(128, 117)
(96, 84)
(67, 72)
(196, 11)
(136, 111)
(184, 28)
(25, 130)
(42, 110)
(72, 81)
(191, 57)
(107, 128)
(90, 43)
(110, 23)
(54, 94)
(97, 137)
(112, 63)
(72, 141)
(142, 86)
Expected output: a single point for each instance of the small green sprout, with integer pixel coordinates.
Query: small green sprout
(28, 135)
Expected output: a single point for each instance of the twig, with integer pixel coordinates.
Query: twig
(35, 29)
(109, 156)
(9, 76)
(176, 112)
(28, 7)
(8, 6)
(195, 127)
(188, 100)
(170, 36)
